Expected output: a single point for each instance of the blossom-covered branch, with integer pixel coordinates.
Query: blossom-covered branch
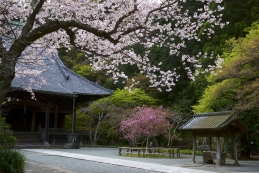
(107, 30)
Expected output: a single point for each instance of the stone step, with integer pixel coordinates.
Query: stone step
(28, 138)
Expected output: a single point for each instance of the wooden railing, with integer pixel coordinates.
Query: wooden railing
(60, 131)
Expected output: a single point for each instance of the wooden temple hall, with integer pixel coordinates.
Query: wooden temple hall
(215, 124)
(39, 117)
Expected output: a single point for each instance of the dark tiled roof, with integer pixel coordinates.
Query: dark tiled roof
(215, 120)
(54, 78)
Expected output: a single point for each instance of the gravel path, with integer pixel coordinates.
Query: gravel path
(69, 165)
(63, 164)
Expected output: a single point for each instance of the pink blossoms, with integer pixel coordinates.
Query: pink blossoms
(145, 122)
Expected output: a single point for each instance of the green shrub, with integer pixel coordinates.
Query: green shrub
(12, 161)
(189, 152)
(7, 139)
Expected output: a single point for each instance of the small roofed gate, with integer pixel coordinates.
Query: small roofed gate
(214, 124)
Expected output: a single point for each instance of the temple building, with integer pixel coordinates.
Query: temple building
(42, 93)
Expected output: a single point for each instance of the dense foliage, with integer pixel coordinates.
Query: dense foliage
(11, 161)
(7, 139)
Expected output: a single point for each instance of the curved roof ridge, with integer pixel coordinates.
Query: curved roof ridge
(91, 82)
(60, 65)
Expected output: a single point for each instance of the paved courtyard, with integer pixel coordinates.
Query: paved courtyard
(107, 160)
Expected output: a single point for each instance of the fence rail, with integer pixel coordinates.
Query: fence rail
(60, 131)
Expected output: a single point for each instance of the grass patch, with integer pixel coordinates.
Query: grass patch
(12, 161)
(187, 152)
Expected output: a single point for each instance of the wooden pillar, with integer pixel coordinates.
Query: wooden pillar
(56, 117)
(218, 155)
(193, 149)
(46, 132)
(209, 143)
(74, 115)
(54, 141)
(235, 150)
(24, 118)
(33, 121)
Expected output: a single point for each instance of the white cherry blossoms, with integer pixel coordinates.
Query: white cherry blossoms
(107, 30)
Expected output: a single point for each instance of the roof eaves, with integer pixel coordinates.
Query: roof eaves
(212, 114)
(46, 92)
(60, 66)
(91, 94)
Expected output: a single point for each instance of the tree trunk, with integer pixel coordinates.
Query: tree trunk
(7, 73)
(245, 153)
(90, 133)
(8, 60)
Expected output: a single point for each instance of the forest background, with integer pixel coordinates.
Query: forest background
(232, 88)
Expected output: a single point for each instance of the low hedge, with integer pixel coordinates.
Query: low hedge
(189, 152)
(12, 161)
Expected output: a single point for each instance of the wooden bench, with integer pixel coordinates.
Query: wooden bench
(146, 151)
(173, 151)
(130, 150)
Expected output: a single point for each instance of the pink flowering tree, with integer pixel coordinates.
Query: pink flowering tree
(144, 123)
(105, 30)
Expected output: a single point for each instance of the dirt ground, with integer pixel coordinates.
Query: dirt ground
(32, 167)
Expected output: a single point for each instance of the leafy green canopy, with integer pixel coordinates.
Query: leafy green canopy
(235, 85)
(135, 97)
(240, 14)
(217, 97)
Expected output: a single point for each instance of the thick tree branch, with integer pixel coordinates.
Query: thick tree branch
(31, 18)
(9, 25)
(71, 35)
(53, 26)
(129, 30)
(122, 18)
(159, 8)
(2, 48)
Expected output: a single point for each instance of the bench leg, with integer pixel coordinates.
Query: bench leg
(120, 151)
(170, 154)
(144, 152)
(178, 153)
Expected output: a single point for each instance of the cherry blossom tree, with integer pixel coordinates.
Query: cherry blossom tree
(105, 29)
(145, 122)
